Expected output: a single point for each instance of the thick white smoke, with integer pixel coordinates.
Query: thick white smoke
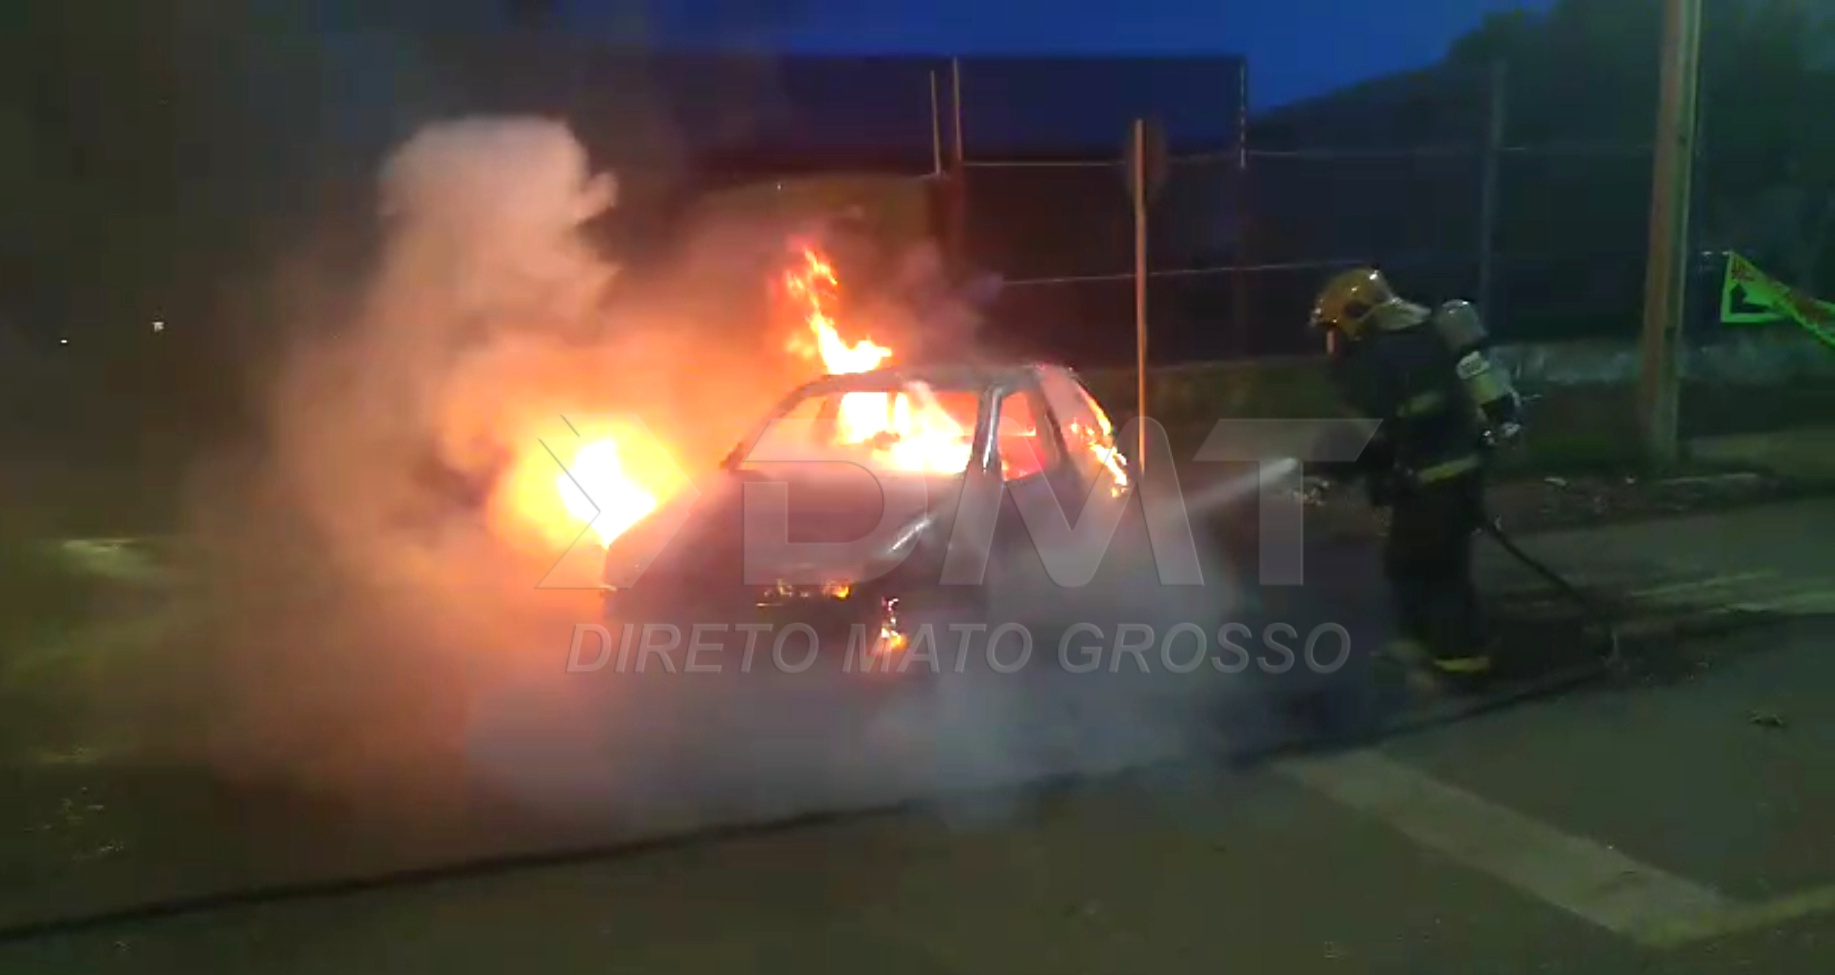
(376, 560)
(377, 625)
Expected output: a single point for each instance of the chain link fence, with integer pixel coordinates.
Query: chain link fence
(1254, 213)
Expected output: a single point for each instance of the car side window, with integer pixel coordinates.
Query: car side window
(1024, 439)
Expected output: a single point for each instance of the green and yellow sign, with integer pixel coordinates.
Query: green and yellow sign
(1749, 296)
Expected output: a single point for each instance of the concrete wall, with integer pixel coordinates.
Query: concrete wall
(1756, 356)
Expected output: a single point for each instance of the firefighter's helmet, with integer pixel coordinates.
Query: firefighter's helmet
(1351, 299)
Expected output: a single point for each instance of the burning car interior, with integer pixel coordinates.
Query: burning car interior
(906, 426)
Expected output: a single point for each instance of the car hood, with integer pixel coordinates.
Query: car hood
(835, 527)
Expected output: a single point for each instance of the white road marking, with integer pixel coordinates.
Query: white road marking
(1746, 917)
(1807, 603)
(1586, 879)
(1738, 592)
(1670, 590)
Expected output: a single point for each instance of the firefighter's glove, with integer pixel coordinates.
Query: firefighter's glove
(1502, 435)
(1315, 491)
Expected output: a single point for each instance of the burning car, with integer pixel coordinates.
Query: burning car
(872, 510)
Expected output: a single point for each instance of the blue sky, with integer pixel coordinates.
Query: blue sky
(1296, 48)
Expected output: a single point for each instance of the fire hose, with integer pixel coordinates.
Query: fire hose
(1366, 729)
(1544, 685)
(1595, 613)
(1592, 611)
(1493, 527)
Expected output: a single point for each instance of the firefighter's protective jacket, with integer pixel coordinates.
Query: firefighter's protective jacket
(1408, 379)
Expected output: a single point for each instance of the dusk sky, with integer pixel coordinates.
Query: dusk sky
(1296, 48)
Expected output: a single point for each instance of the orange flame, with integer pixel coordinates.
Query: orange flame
(815, 285)
(610, 483)
(596, 490)
(917, 433)
(611, 477)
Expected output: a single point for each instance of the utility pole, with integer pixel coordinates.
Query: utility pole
(1487, 204)
(1146, 167)
(1667, 275)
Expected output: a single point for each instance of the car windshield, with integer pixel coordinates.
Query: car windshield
(911, 428)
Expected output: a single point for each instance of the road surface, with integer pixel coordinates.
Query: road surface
(1684, 824)
(1668, 828)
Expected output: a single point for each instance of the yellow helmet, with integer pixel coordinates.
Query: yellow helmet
(1351, 299)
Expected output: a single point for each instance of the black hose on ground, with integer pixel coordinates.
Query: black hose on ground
(1595, 613)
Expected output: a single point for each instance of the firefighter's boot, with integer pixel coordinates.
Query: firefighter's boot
(1428, 676)
(1458, 646)
(1407, 662)
(1464, 673)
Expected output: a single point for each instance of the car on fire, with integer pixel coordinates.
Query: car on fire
(868, 505)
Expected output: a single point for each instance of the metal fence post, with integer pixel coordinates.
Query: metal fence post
(1137, 191)
(1240, 290)
(936, 129)
(1487, 203)
(958, 180)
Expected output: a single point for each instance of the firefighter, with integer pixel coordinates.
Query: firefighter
(1442, 405)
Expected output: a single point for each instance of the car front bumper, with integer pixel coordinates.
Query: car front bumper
(853, 634)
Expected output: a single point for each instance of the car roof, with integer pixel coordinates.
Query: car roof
(954, 375)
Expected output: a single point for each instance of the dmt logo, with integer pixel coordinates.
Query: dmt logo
(963, 513)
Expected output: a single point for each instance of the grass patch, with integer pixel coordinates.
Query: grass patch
(66, 633)
(48, 600)
(45, 594)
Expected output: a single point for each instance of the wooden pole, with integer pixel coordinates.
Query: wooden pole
(1666, 277)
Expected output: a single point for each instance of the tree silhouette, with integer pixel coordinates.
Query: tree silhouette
(1586, 72)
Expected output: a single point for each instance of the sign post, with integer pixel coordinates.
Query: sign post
(1146, 175)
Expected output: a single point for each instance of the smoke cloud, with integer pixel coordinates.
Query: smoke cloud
(375, 625)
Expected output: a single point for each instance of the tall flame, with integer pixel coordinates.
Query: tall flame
(815, 286)
(606, 486)
(917, 436)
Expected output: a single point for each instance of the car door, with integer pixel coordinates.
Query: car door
(1036, 477)
(1105, 488)
(1089, 438)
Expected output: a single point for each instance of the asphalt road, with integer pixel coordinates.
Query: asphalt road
(1681, 827)
(1682, 822)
